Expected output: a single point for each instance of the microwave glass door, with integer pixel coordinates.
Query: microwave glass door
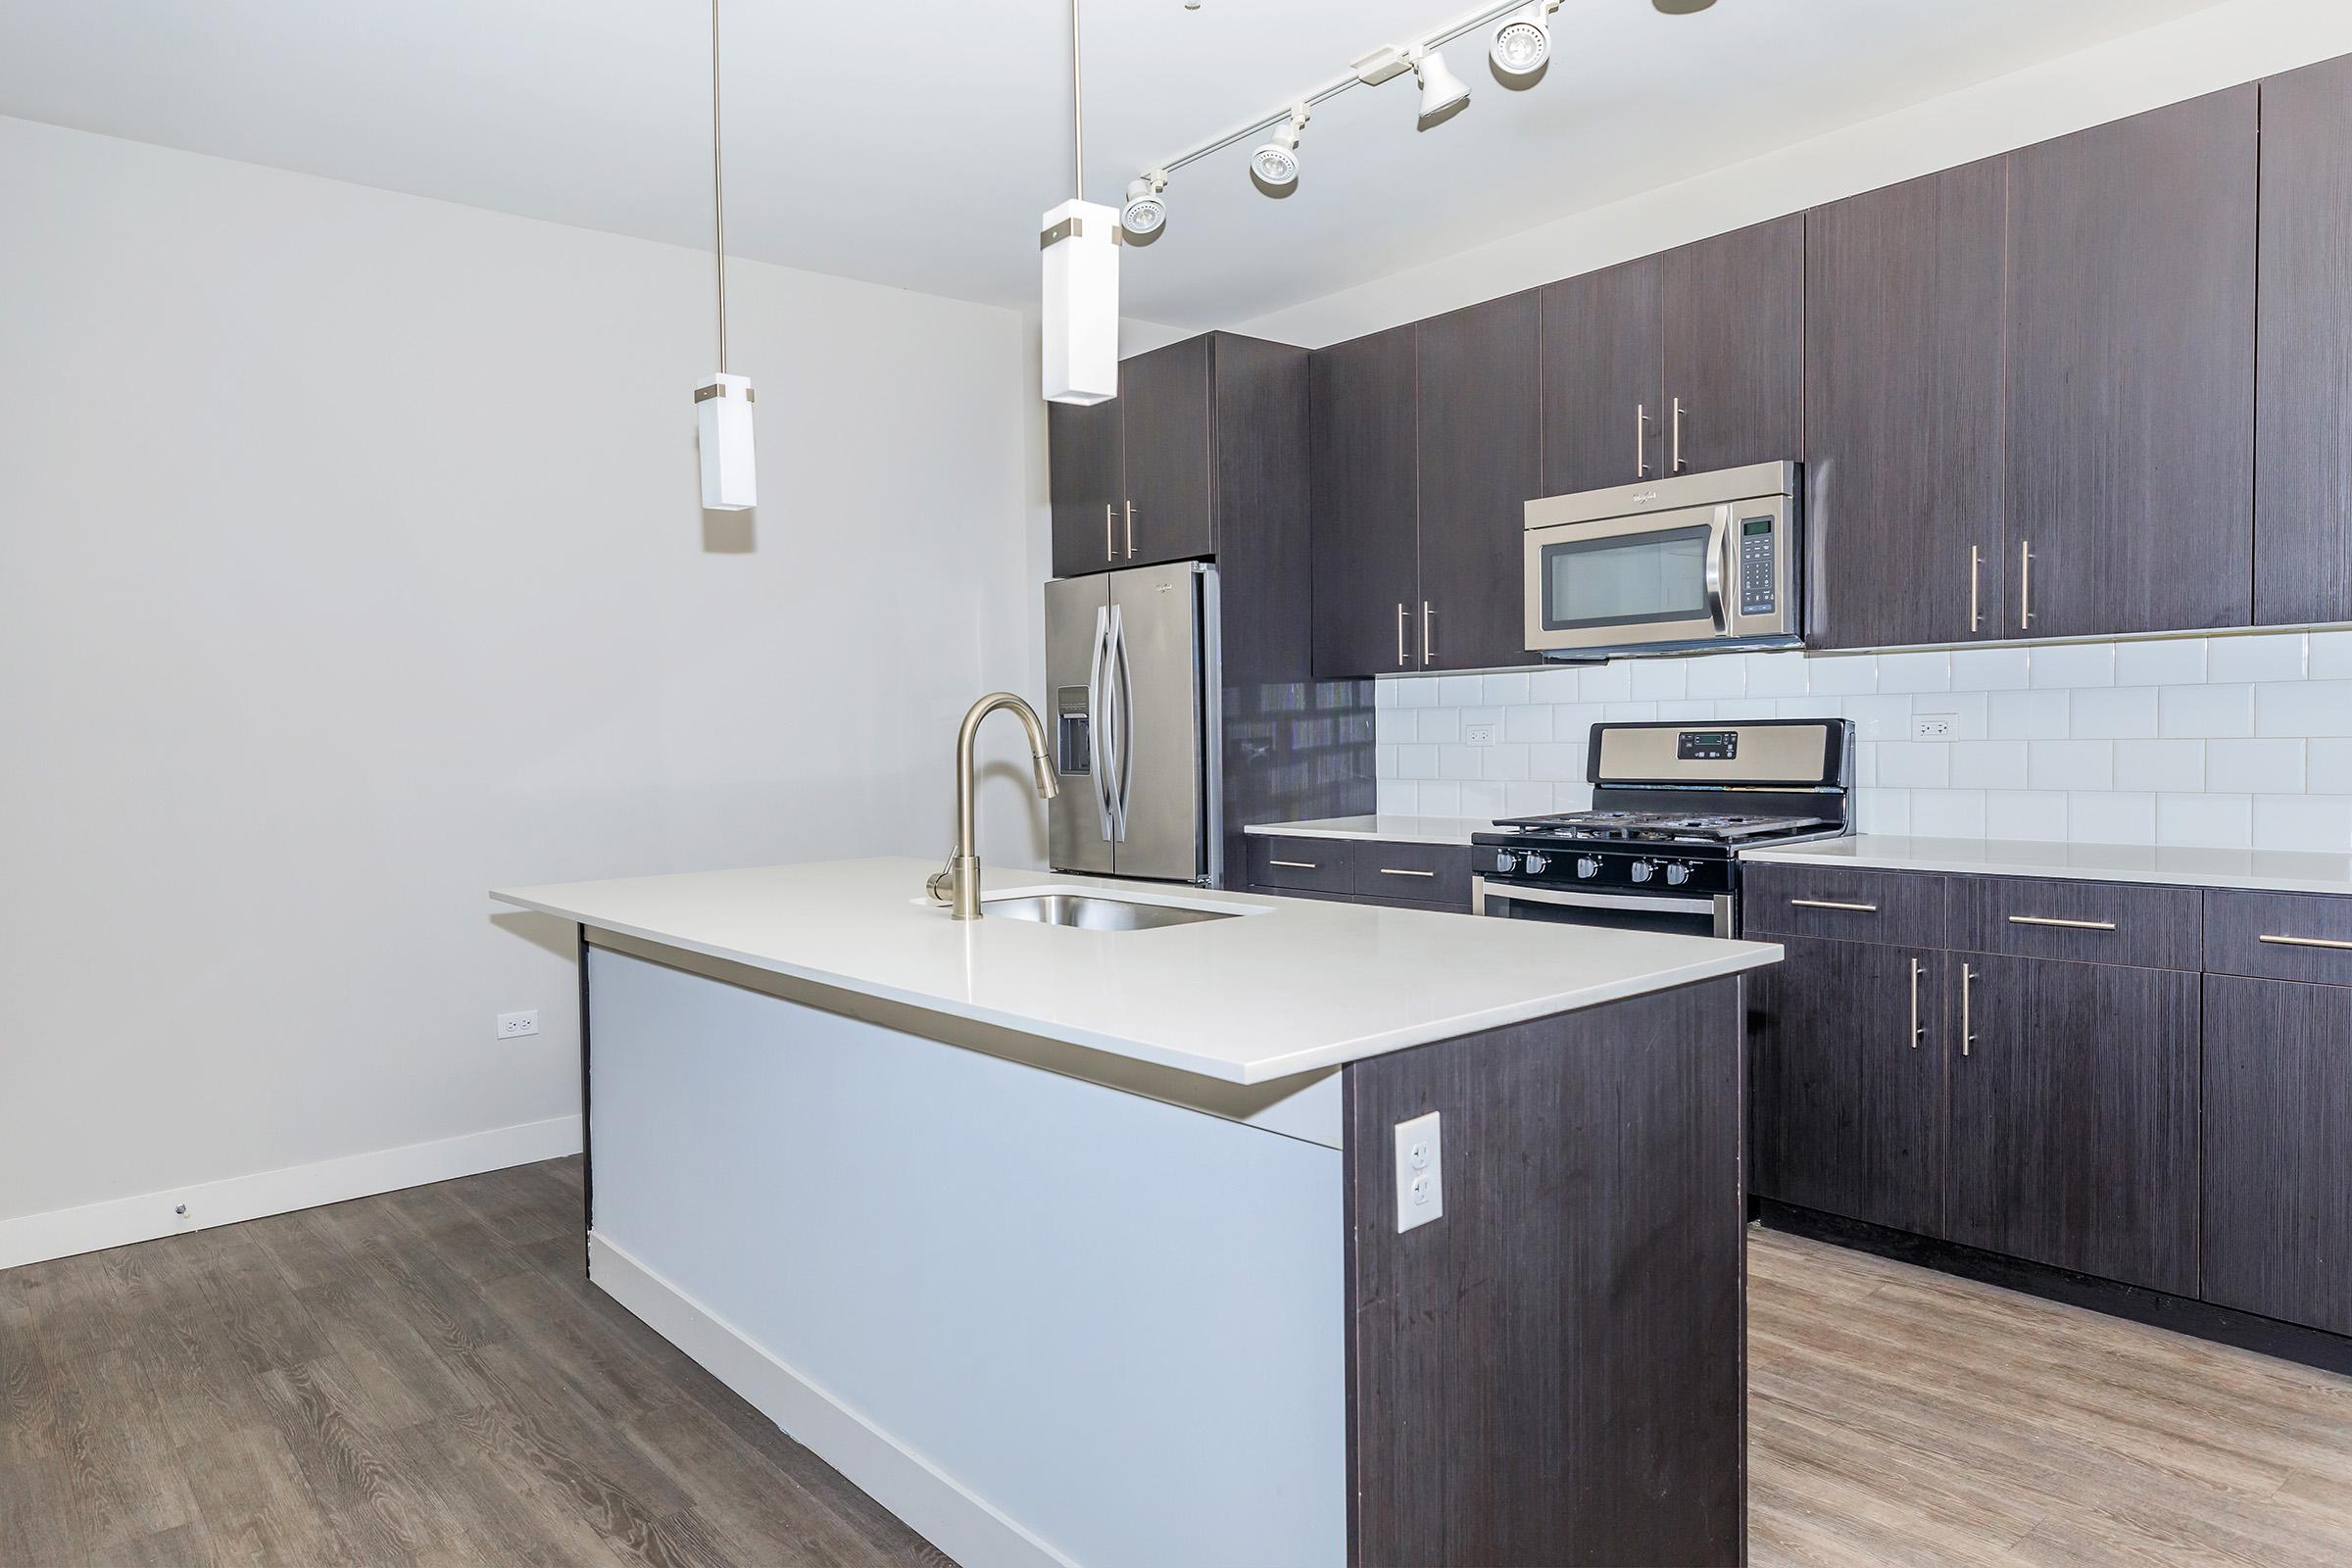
(1635, 580)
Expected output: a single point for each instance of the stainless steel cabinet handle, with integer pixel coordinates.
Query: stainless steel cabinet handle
(1390, 871)
(1976, 564)
(2067, 925)
(1917, 968)
(1675, 466)
(1968, 1035)
(1130, 530)
(1110, 523)
(1834, 904)
(2308, 942)
(2024, 583)
(1401, 659)
(1295, 865)
(1641, 442)
(1428, 649)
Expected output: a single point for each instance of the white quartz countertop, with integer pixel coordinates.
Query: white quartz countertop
(1391, 829)
(2264, 870)
(1291, 985)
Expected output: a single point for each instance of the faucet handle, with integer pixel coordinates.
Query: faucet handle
(940, 885)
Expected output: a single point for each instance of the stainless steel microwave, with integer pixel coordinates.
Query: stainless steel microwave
(1697, 560)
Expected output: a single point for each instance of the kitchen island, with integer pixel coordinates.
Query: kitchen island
(1082, 1246)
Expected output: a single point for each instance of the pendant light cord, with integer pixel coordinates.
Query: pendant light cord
(1077, 112)
(718, 194)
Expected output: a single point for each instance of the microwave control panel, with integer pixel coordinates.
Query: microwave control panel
(1759, 567)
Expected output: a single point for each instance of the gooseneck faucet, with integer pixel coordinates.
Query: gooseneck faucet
(958, 885)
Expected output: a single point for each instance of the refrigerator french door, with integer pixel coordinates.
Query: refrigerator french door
(1132, 691)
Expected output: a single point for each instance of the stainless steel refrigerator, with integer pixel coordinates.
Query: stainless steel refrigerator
(1132, 691)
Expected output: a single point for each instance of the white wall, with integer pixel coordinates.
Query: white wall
(2199, 53)
(350, 564)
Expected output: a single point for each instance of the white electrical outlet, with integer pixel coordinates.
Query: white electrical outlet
(1478, 734)
(1931, 727)
(1420, 1172)
(513, 1025)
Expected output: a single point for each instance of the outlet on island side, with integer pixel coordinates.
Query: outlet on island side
(513, 1025)
(1420, 1172)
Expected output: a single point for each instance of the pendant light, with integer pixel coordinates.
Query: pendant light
(1080, 243)
(723, 404)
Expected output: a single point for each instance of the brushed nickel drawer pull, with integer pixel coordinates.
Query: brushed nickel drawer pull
(1976, 563)
(1390, 871)
(1834, 904)
(1295, 865)
(2065, 925)
(2308, 942)
(1968, 1035)
(1111, 513)
(1916, 1030)
(1401, 660)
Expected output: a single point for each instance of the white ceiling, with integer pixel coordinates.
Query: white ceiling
(916, 144)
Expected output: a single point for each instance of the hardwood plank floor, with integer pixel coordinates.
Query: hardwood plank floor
(426, 1377)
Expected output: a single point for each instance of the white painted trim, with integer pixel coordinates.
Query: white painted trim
(118, 1222)
(958, 1523)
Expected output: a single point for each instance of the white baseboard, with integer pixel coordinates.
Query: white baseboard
(956, 1520)
(63, 1232)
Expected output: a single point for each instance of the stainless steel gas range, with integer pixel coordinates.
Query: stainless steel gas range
(1672, 805)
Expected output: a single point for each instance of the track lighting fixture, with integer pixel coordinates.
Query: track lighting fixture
(1276, 164)
(1522, 45)
(1145, 212)
(1442, 91)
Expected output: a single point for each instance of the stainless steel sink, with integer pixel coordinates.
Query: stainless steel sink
(1091, 912)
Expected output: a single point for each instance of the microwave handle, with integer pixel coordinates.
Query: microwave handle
(1715, 569)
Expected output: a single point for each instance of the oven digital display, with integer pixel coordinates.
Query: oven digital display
(1707, 745)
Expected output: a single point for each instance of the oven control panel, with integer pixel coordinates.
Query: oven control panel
(1660, 871)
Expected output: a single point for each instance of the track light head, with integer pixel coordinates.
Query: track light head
(1275, 165)
(1442, 91)
(1522, 45)
(1143, 211)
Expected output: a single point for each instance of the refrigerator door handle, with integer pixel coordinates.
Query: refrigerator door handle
(1098, 708)
(1122, 704)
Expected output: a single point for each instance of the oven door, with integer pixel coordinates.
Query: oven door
(1696, 916)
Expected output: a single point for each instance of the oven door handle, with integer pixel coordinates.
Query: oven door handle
(1597, 901)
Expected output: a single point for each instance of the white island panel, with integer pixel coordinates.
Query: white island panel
(1113, 1325)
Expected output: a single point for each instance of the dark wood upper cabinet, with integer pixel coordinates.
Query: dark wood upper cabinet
(1903, 365)
(2131, 375)
(2278, 1149)
(1603, 414)
(1733, 308)
(2303, 403)
(1088, 483)
(1846, 1081)
(1169, 398)
(1480, 439)
(1363, 470)
(2075, 1118)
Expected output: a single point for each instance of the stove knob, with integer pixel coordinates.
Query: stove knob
(1536, 862)
(1586, 866)
(1677, 875)
(1506, 861)
(1642, 870)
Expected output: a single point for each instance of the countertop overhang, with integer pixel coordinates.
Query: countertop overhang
(1299, 985)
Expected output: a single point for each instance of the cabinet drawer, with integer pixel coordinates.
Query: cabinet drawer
(1312, 866)
(2279, 936)
(1901, 909)
(2087, 922)
(1414, 873)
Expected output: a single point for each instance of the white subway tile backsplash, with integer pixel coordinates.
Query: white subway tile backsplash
(2172, 766)
(2160, 662)
(2027, 715)
(1866, 764)
(2268, 655)
(1491, 717)
(1383, 761)
(1394, 726)
(1385, 693)
(1557, 684)
(1884, 812)
(1460, 762)
(1606, 683)
(1394, 797)
(2303, 822)
(1504, 762)
(2331, 655)
(1879, 719)
(1777, 675)
(2328, 768)
(1482, 801)
(1967, 710)
(1805, 708)
(1745, 707)
(1719, 675)
(1460, 691)
(2115, 712)
(2074, 665)
(1628, 712)
(2037, 814)
(1416, 761)
(1439, 726)
(1915, 672)
(2304, 708)
(2254, 767)
(1557, 762)
(1992, 669)
(1527, 799)
(2111, 816)
(1529, 721)
(1846, 675)
(1500, 691)
(1915, 765)
(2211, 821)
(1660, 679)
(1948, 814)
(1691, 707)
(1412, 693)
(1439, 800)
(1989, 765)
(2191, 712)
(2070, 765)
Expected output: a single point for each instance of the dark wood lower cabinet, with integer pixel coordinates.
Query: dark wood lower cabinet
(2074, 1117)
(1849, 1100)
(2278, 1149)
